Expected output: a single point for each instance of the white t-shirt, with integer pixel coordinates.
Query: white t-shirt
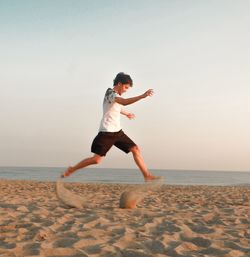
(111, 113)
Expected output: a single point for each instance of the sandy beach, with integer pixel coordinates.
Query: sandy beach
(175, 221)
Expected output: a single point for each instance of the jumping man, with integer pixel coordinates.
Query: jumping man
(110, 131)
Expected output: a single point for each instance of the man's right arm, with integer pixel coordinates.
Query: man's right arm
(128, 101)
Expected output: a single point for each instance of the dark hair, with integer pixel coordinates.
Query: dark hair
(123, 78)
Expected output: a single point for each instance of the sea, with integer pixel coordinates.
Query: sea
(128, 176)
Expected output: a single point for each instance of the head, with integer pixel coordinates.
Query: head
(122, 83)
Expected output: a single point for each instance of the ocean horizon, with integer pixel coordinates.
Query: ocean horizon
(128, 176)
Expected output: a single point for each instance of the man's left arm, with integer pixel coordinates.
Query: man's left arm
(128, 114)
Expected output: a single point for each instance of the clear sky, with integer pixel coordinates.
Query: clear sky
(57, 58)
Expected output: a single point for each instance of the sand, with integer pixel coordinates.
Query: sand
(175, 221)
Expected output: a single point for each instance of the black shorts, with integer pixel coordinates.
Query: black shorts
(105, 140)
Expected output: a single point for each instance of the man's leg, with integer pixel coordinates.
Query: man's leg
(95, 159)
(141, 165)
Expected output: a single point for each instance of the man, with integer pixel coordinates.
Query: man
(110, 131)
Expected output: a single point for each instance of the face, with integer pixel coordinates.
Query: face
(125, 87)
(122, 88)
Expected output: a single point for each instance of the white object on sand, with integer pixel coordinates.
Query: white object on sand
(130, 198)
(67, 197)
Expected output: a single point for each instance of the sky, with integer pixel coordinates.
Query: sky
(59, 57)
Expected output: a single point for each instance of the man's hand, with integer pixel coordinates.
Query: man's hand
(149, 92)
(130, 115)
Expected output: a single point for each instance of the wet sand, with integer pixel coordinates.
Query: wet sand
(175, 221)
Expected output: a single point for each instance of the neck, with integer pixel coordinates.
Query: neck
(116, 89)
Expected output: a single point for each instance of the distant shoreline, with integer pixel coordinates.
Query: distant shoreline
(117, 184)
(127, 176)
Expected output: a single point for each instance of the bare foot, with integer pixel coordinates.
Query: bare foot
(151, 177)
(67, 172)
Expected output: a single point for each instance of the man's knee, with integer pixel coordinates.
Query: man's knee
(97, 159)
(135, 149)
